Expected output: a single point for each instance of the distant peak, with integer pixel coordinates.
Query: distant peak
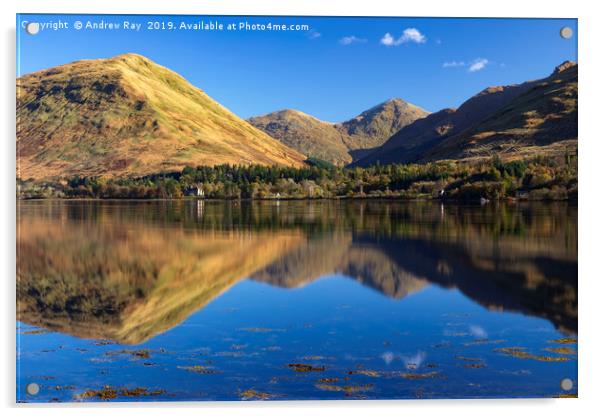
(564, 66)
(388, 103)
(292, 111)
(392, 101)
(286, 112)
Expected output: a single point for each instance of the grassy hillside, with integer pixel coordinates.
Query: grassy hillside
(307, 134)
(129, 116)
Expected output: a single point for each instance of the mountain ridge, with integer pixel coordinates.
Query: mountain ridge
(469, 126)
(338, 142)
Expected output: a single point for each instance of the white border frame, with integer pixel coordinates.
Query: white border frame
(590, 143)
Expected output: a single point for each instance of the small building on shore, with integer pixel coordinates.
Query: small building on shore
(196, 191)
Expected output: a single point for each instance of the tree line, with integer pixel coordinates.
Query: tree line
(553, 178)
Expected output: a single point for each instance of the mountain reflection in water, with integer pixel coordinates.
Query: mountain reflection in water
(128, 271)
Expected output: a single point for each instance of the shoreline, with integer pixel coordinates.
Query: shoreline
(339, 198)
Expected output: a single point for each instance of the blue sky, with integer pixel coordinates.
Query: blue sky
(335, 70)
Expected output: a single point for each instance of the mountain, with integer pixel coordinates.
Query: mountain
(339, 143)
(306, 134)
(374, 126)
(509, 120)
(129, 116)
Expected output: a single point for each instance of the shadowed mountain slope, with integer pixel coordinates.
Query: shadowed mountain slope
(524, 119)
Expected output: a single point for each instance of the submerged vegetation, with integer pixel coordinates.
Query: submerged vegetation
(110, 393)
(519, 352)
(539, 178)
(306, 368)
(251, 394)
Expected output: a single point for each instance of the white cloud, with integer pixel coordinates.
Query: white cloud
(387, 40)
(478, 64)
(410, 34)
(453, 64)
(348, 40)
(473, 66)
(314, 35)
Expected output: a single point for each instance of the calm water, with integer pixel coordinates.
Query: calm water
(295, 300)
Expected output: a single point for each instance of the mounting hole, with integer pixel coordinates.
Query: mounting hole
(566, 32)
(566, 384)
(32, 28)
(33, 389)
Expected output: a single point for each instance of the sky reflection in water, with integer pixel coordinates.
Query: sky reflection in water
(295, 300)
